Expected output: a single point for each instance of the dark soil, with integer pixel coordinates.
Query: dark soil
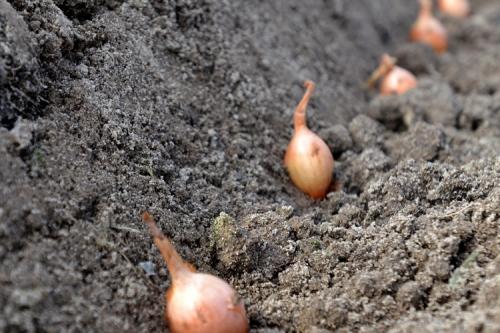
(184, 108)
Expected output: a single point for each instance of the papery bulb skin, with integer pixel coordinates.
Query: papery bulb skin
(310, 163)
(428, 30)
(455, 8)
(308, 159)
(397, 82)
(197, 302)
(203, 303)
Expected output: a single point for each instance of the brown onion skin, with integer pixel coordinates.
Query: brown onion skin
(398, 81)
(308, 159)
(428, 30)
(197, 302)
(395, 80)
(218, 310)
(455, 8)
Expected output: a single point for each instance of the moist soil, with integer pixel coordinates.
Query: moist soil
(184, 108)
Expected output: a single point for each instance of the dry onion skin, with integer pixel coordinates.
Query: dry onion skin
(455, 8)
(197, 302)
(428, 30)
(395, 80)
(308, 159)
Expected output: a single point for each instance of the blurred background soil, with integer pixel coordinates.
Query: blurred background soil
(184, 108)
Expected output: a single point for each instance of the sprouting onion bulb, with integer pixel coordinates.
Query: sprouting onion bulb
(197, 302)
(308, 159)
(455, 8)
(395, 80)
(428, 30)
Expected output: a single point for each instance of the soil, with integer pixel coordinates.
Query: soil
(184, 108)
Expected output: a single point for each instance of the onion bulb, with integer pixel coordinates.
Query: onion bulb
(308, 158)
(395, 80)
(428, 30)
(197, 302)
(455, 8)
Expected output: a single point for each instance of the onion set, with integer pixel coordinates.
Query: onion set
(395, 80)
(197, 302)
(308, 159)
(428, 30)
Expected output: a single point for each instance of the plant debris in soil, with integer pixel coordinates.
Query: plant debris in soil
(184, 108)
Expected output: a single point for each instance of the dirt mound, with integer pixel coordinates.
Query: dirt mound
(184, 108)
